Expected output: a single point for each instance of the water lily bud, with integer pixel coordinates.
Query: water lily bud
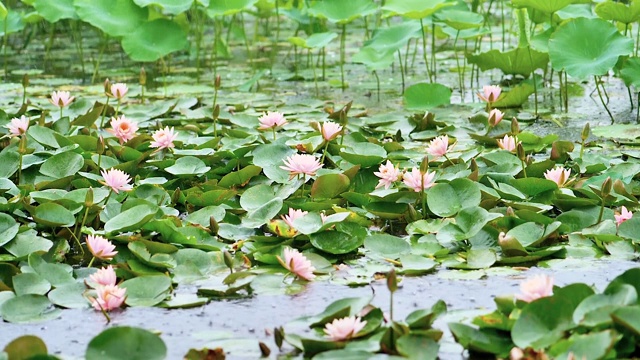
(25, 80)
(520, 152)
(474, 165)
(213, 225)
(107, 87)
(175, 197)
(392, 280)
(278, 334)
(515, 126)
(216, 112)
(100, 146)
(424, 165)
(264, 349)
(143, 76)
(88, 199)
(413, 214)
(510, 211)
(217, 82)
(606, 186)
(585, 132)
(228, 259)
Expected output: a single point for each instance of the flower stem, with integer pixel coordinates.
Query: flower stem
(423, 195)
(118, 108)
(61, 111)
(324, 153)
(524, 170)
(91, 262)
(446, 157)
(104, 113)
(601, 211)
(274, 133)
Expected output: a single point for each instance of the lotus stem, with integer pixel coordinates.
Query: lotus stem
(401, 70)
(93, 258)
(433, 52)
(597, 78)
(601, 210)
(61, 108)
(630, 97)
(535, 83)
(315, 75)
(104, 113)
(460, 71)
(343, 39)
(4, 48)
(377, 83)
(450, 162)
(96, 64)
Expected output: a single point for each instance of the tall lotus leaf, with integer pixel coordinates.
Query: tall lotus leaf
(460, 19)
(172, 7)
(52, 11)
(155, 39)
(116, 18)
(619, 12)
(513, 62)
(415, 9)
(3, 11)
(228, 7)
(394, 37)
(547, 6)
(587, 47)
(630, 72)
(342, 12)
(374, 59)
(14, 23)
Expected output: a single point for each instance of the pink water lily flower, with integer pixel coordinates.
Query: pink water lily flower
(508, 143)
(18, 126)
(298, 264)
(104, 276)
(388, 174)
(536, 287)
(559, 175)
(330, 130)
(438, 146)
(61, 98)
(495, 116)
(344, 329)
(418, 181)
(163, 138)
(117, 180)
(293, 214)
(301, 164)
(118, 90)
(100, 247)
(272, 120)
(490, 93)
(109, 297)
(623, 216)
(123, 128)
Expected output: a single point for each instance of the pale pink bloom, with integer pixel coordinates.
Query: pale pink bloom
(163, 138)
(117, 180)
(301, 164)
(418, 181)
(508, 143)
(536, 287)
(272, 120)
(293, 214)
(388, 174)
(624, 216)
(19, 126)
(100, 247)
(123, 128)
(490, 93)
(109, 297)
(61, 98)
(330, 130)
(104, 276)
(298, 264)
(516, 354)
(438, 146)
(344, 329)
(495, 116)
(558, 175)
(118, 90)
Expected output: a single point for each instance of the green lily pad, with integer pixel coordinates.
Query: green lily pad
(53, 214)
(62, 165)
(126, 343)
(446, 199)
(26, 309)
(131, 219)
(147, 290)
(365, 154)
